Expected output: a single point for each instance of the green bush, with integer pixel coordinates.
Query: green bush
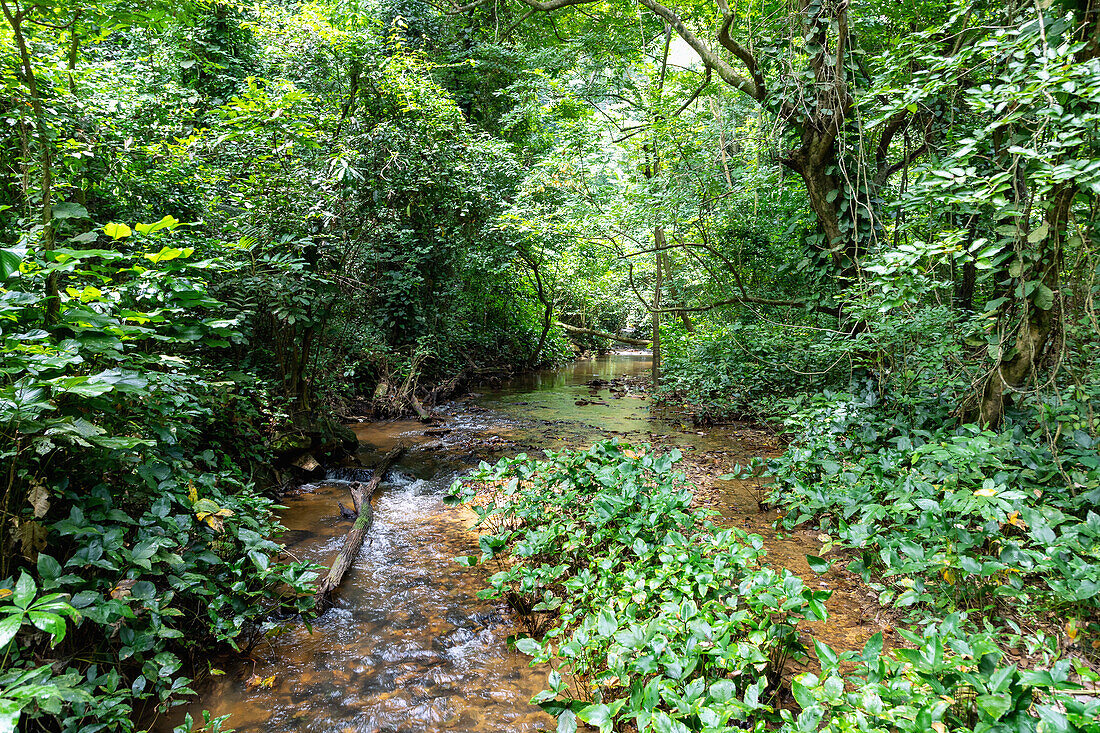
(736, 368)
(951, 516)
(945, 679)
(652, 615)
(127, 476)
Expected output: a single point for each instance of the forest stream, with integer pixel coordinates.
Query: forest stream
(409, 646)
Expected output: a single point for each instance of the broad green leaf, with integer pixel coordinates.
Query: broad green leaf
(51, 623)
(597, 715)
(606, 623)
(69, 210)
(10, 260)
(995, 706)
(527, 646)
(567, 722)
(9, 627)
(25, 590)
(1043, 298)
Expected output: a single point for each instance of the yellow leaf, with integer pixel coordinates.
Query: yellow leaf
(169, 221)
(192, 492)
(117, 231)
(985, 492)
(1071, 629)
(214, 521)
(5, 592)
(949, 575)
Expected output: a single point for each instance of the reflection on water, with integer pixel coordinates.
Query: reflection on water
(409, 647)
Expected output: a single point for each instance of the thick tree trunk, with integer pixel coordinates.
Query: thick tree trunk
(1021, 358)
(964, 287)
(353, 542)
(812, 162)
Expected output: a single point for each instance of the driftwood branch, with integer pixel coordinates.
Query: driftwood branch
(643, 343)
(353, 542)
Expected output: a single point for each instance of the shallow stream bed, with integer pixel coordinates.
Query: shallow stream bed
(409, 646)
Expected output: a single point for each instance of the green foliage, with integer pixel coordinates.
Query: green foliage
(945, 679)
(653, 618)
(954, 517)
(744, 368)
(121, 462)
(35, 690)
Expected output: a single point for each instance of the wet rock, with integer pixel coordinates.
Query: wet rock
(307, 463)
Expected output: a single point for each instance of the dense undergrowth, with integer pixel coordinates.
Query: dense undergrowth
(141, 540)
(651, 615)
(222, 223)
(653, 619)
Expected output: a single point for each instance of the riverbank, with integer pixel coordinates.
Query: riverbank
(408, 642)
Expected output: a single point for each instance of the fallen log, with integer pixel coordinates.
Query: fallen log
(642, 343)
(353, 542)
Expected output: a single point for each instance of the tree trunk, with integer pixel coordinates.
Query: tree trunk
(354, 540)
(1020, 359)
(1039, 322)
(682, 313)
(548, 309)
(658, 245)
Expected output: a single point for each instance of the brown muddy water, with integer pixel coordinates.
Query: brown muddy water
(409, 646)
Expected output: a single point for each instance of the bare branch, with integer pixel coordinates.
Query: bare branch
(727, 73)
(695, 94)
(548, 5)
(744, 55)
(467, 8)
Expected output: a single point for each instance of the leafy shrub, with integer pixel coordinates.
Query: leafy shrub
(126, 479)
(948, 679)
(738, 368)
(957, 517)
(655, 617)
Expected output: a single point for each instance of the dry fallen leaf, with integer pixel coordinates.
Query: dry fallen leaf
(39, 499)
(122, 589)
(255, 682)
